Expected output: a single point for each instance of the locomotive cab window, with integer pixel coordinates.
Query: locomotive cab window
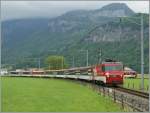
(103, 68)
(112, 68)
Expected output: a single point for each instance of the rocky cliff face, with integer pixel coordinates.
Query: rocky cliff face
(115, 10)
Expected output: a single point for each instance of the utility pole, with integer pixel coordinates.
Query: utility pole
(0, 52)
(39, 63)
(73, 61)
(119, 40)
(87, 57)
(62, 62)
(142, 54)
(100, 56)
(49, 66)
(149, 51)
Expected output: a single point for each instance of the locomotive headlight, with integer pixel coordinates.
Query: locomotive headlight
(107, 74)
(121, 75)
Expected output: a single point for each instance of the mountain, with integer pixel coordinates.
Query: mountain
(115, 10)
(72, 31)
(81, 18)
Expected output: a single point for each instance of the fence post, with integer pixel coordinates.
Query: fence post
(122, 102)
(128, 85)
(133, 105)
(147, 87)
(133, 85)
(99, 90)
(139, 87)
(108, 92)
(103, 91)
(114, 96)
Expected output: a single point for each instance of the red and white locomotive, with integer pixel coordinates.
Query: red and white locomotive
(109, 72)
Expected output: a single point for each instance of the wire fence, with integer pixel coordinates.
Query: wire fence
(128, 102)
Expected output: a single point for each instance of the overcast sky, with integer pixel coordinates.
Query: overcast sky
(27, 9)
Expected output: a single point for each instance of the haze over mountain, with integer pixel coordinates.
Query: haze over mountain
(73, 31)
(50, 9)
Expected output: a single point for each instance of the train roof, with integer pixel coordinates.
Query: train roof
(72, 69)
(111, 62)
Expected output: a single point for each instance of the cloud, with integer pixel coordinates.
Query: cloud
(25, 9)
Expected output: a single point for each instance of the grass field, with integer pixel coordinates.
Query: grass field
(135, 83)
(45, 95)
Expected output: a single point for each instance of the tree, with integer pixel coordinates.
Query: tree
(55, 62)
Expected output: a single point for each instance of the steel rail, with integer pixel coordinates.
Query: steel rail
(133, 92)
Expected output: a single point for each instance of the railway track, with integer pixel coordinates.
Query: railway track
(133, 92)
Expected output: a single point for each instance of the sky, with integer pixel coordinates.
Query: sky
(49, 9)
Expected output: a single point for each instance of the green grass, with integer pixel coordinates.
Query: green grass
(136, 83)
(48, 95)
(145, 75)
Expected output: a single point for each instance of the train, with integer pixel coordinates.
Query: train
(129, 73)
(108, 73)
